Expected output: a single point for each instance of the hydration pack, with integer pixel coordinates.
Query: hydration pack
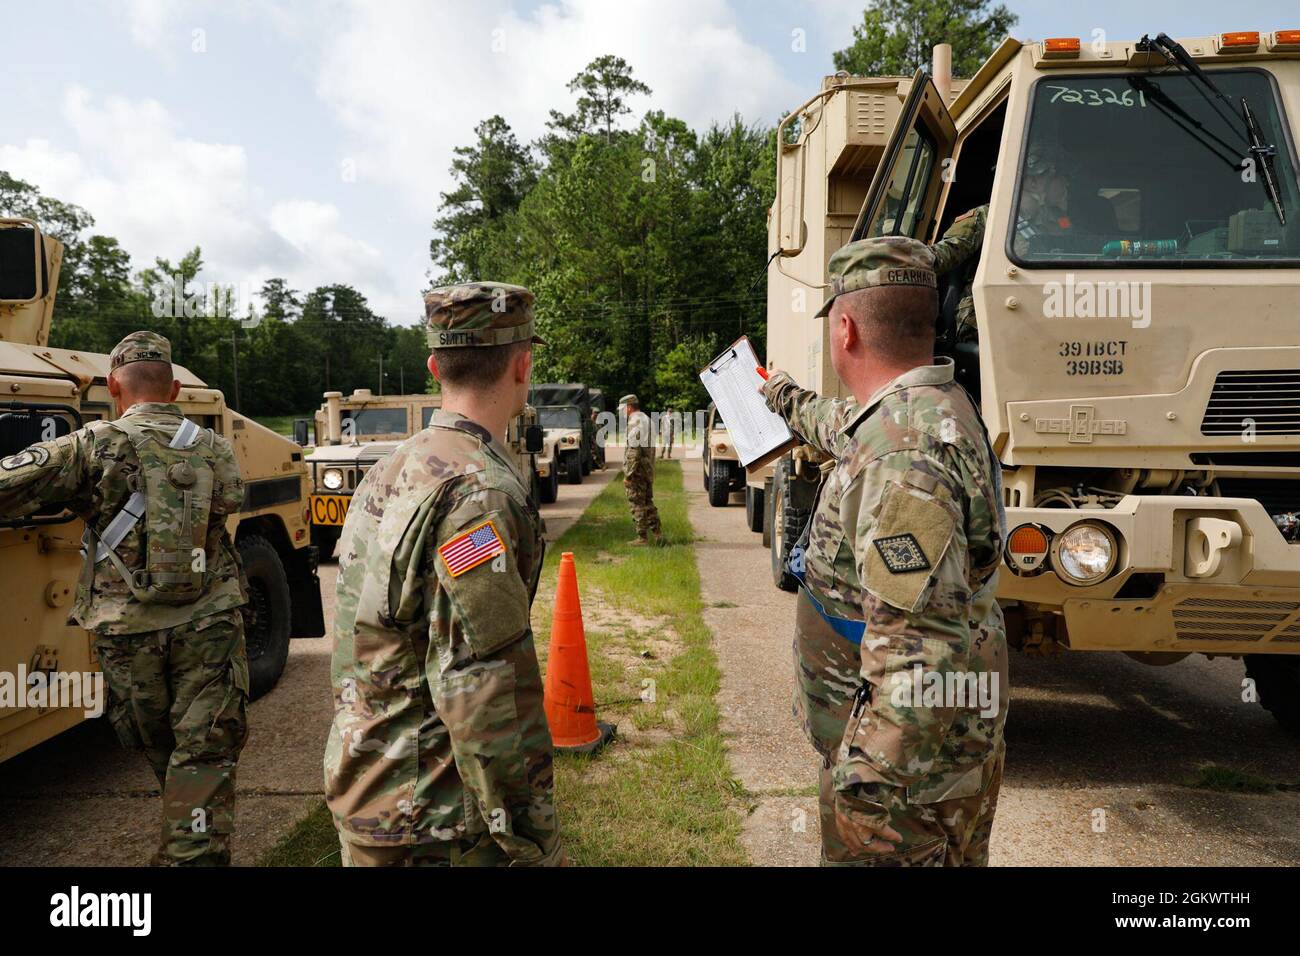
(172, 493)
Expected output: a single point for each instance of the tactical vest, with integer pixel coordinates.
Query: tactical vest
(172, 493)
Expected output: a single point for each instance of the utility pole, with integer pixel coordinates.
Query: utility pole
(381, 375)
(401, 377)
(234, 355)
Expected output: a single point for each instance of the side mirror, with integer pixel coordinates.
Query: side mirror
(533, 439)
(300, 431)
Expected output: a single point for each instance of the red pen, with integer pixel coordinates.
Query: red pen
(761, 371)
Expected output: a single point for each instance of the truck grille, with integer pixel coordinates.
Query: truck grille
(1268, 398)
(1205, 619)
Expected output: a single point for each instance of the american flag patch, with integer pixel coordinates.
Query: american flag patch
(470, 549)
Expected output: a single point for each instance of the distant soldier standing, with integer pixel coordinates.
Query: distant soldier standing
(667, 428)
(639, 471)
(161, 586)
(440, 753)
(899, 569)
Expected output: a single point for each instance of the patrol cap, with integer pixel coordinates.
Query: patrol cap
(885, 260)
(142, 346)
(630, 399)
(479, 314)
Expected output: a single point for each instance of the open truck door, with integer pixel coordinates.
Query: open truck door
(904, 191)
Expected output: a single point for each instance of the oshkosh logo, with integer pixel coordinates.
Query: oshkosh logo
(1081, 425)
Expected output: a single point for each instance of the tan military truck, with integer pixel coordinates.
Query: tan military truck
(564, 427)
(723, 472)
(353, 433)
(1137, 359)
(49, 392)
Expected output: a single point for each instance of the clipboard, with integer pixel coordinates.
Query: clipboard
(732, 381)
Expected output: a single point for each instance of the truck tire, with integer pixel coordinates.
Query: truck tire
(754, 508)
(719, 484)
(550, 489)
(705, 458)
(1277, 679)
(266, 615)
(325, 537)
(791, 507)
(573, 468)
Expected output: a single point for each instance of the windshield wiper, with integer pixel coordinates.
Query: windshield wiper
(1185, 121)
(1262, 154)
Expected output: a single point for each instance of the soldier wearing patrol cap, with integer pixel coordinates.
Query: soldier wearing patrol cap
(161, 586)
(639, 471)
(898, 570)
(440, 753)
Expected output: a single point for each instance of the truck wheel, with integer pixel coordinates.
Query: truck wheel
(266, 615)
(325, 537)
(719, 484)
(754, 508)
(550, 488)
(790, 510)
(1277, 679)
(573, 472)
(706, 471)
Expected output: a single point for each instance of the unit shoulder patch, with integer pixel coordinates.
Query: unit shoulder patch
(35, 455)
(902, 553)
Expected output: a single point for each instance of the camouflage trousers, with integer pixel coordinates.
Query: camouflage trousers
(180, 695)
(481, 852)
(640, 488)
(947, 822)
(882, 825)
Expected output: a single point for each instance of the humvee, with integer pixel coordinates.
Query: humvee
(565, 427)
(723, 472)
(591, 454)
(1136, 361)
(351, 434)
(51, 392)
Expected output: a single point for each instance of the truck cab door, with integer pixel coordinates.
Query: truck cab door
(905, 189)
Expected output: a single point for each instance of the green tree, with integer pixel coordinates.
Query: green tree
(898, 36)
(604, 86)
(493, 176)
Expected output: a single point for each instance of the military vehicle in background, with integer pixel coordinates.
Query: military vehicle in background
(51, 392)
(723, 472)
(564, 426)
(1139, 381)
(589, 453)
(352, 433)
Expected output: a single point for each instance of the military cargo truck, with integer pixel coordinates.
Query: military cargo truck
(351, 434)
(1136, 362)
(50, 392)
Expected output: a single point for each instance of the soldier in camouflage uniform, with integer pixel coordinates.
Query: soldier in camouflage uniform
(177, 673)
(958, 248)
(899, 569)
(440, 753)
(639, 472)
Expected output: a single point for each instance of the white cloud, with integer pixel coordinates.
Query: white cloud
(410, 80)
(160, 193)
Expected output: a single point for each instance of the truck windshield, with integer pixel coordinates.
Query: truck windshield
(559, 417)
(1143, 170)
(376, 421)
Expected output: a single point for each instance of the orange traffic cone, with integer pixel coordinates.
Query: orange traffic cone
(570, 706)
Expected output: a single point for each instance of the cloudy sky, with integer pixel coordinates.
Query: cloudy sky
(312, 140)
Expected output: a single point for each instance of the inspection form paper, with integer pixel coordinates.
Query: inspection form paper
(732, 381)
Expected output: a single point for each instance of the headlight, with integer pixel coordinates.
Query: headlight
(1085, 553)
(720, 448)
(332, 479)
(569, 440)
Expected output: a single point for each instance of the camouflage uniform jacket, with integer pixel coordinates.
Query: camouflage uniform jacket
(439, 732)
(638, 461)
(90, 472)
(907, 537)
(961, 243)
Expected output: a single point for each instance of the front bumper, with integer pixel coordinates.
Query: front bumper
(1192, 574)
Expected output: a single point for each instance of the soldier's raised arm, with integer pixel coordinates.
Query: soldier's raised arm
(818, 421)
(486, 684)
(55, 472)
